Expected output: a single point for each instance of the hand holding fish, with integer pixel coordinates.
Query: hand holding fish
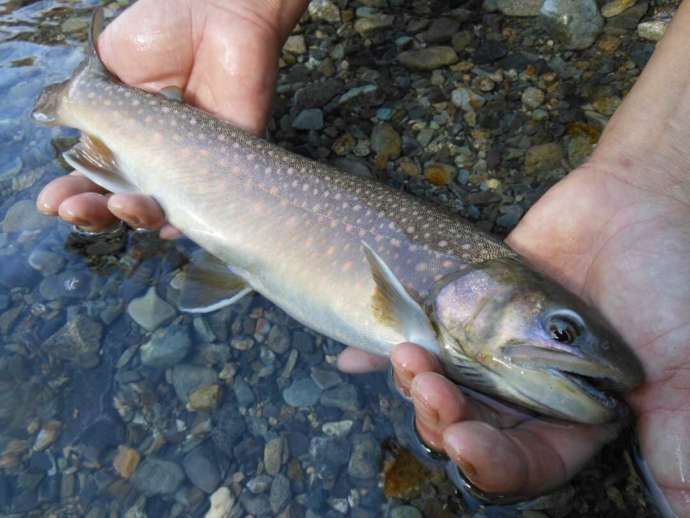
(222, 55)
(615, 231)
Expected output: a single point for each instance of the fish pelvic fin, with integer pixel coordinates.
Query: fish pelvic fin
(95, 160)
(208, 284)
(394, 307)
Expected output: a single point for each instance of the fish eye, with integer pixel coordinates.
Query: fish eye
(563, 330)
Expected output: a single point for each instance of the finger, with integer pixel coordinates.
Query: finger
(524, 461)
(57, 191)
(438, 403)
(170, 232)
(356, 361)
(138, 210)
(409, 360)
(88, 210)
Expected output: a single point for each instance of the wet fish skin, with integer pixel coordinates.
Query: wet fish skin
(351, 258)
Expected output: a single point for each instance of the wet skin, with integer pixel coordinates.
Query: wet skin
(623, 220)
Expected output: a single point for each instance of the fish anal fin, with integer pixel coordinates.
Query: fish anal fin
(95, 160)
(394, 307)
(208, 285)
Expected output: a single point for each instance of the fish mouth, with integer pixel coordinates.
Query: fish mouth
(594, 379)
(595, 388)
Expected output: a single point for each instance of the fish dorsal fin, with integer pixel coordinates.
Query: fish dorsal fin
(172, 93)
(94, 159)
(394, 307)
(208, 285)
(95, 30)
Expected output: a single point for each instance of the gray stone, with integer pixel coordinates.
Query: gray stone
(428, 58)
(343, 396)
(373, 22)
(23, 216)
(187, 378)
(575, 23)
(66, 285)
(652, 31)
(328, 455)
(10, 166)
(324, 10)
(366, 457)
(519, 7)
(405, 511)
(150, 311)
(255, 505)
(158, 477)
(78, 342)
(465, 98)
(273, 455)
(280, 493)
(629, 18)
(316, 95)
(532, 97)
(309, 119)
(74, 24)
(46, 262)
(259, 484)
(461, 40)
(278, 339)
(295, 44)
(201, 468)
(302, 393)
(243, 393)
(359, 91)
(441, 30)
(166, 348)
(325, 378)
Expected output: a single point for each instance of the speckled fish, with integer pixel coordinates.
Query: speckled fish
(349, 257)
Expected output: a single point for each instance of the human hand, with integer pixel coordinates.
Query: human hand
(617, 232)
(223, 55)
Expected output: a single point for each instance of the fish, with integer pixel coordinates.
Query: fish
(347, 256)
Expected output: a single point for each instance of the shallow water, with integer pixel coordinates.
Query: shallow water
(244, 398)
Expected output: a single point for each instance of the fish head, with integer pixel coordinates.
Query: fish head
(511, 332)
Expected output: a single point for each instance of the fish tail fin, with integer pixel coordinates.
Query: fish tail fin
(47, 107)
(94, 62)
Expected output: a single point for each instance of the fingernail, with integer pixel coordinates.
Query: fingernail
(468, 469)
(425, 412)
(132, 221)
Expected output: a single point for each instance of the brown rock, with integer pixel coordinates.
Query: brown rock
(543, 157)
(126, 461)
(204, 398)
(440, 174)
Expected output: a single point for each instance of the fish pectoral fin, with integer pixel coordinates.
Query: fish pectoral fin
(209, 285)
(394, 307)
(94, 159)
(172, 93)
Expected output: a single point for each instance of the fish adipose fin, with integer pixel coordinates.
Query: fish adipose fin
(172, 93)
(92, 158)
(393, 306)
(208, 285)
